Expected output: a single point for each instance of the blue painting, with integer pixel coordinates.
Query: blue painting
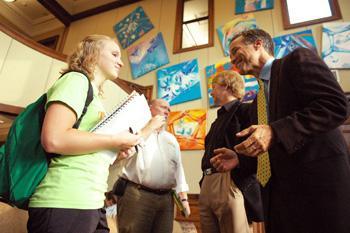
(287, 43)
(235, 26)
(179, 83)
(147, 56)
(132, 27)
(336, 45)
(251, 86)
(244, 6)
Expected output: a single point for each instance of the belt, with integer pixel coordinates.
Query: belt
(209, 171)
(147, 189)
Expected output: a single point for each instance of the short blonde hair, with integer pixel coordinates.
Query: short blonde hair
(85, 56)
(233, 82)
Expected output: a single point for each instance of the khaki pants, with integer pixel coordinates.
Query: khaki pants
(140, 211)
(221, 206)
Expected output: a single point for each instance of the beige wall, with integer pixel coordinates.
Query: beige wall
(21, 86)
(162, 14)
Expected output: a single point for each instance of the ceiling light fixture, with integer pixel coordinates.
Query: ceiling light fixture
(9, 0)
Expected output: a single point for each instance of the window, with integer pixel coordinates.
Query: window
(299, 13)
(194, 25)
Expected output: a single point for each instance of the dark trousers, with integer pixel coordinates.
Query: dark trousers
(140, 211)
(60, 220)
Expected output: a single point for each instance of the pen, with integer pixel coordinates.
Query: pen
(131, 131)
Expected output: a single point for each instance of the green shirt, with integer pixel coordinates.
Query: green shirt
(75, 181)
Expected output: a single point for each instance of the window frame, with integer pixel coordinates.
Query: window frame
(336, 14)
(178, 27)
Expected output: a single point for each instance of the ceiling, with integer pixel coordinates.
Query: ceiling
(35, 17)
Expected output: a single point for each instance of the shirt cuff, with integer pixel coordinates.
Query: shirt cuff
(182, 188)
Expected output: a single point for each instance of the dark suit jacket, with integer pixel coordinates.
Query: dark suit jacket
(309, 191)
(244, 176)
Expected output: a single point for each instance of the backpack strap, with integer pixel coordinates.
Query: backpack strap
(89, 98)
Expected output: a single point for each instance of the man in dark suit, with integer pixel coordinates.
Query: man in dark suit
(308, 190)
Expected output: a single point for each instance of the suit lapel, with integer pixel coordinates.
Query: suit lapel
(274, 83)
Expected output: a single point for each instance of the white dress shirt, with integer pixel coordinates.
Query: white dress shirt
(158, 164)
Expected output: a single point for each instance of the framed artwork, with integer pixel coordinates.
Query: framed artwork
(251, 85)
(179, 83)
(189, 128)
(336, 45)
(238, 24)
(132, 27)
(244, 6)
(147, 56)
(287, 43)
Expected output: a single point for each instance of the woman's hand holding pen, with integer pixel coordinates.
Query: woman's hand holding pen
(130, 140)
(126, 140)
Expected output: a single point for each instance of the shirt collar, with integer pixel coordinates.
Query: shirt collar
(265, 73)
(227, 107)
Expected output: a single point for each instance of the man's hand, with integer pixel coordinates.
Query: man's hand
(187, 208)
(224, 160)
(184, 199)
(157, 122)
(259, 140)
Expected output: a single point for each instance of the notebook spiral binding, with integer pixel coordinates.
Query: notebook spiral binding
(110, 115)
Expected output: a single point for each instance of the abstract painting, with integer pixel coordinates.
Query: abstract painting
(336, 45)
(238, 24)
(147, 56)
(250, 83)
(244, 6)
(179, 83)
(287, 43)
(132, 27)
(189, 128)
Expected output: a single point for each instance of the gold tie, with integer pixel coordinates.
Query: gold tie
(264, 170)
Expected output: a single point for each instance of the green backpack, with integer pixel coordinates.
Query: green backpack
(23, 160)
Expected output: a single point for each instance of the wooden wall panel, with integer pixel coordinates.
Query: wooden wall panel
(23, 76)
(4, 47)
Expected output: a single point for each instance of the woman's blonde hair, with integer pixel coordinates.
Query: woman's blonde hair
(232, 81)
(84, 57)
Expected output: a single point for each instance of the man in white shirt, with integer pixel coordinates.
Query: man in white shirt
(146, 205)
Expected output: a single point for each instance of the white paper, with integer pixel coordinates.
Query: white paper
(133, 112)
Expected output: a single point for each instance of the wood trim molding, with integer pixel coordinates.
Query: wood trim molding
(178, 28)
(57, 10)
(103, 8)
(66, 18)
(10, 109)
(130, 86)
(32, 44)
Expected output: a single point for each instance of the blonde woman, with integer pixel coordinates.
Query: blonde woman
(229, 200)
(71, 196)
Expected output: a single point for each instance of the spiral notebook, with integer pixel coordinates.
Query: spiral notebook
(132, 112)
